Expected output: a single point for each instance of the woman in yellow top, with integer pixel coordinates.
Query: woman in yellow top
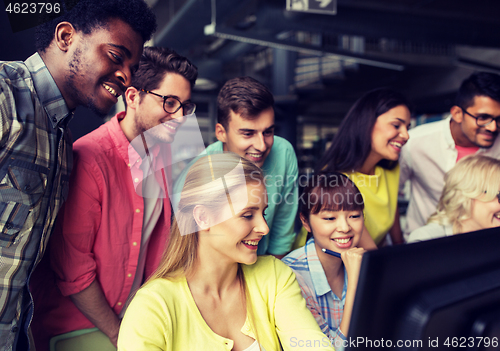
(366, 148)
(211, 291)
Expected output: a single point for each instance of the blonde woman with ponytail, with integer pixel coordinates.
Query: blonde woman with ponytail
(470, 200)
(211, 291)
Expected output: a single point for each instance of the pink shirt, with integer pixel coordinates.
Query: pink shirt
(465, 151)
(98, 233)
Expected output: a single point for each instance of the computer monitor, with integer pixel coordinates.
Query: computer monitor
(432, 295)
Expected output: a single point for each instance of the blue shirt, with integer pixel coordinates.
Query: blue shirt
(280, 172)
(35, 162)
(325, 306)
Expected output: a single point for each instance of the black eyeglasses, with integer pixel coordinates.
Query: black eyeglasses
(172, 104)
(483, 119)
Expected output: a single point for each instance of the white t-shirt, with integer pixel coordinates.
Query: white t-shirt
(430, 231)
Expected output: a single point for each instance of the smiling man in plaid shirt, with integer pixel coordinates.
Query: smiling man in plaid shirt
(85, 57)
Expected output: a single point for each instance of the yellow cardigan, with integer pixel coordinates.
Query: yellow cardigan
(380, 195)
(164, 316)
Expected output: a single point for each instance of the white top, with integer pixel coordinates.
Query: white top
(430, 231)
(254, 347)
(427, 156)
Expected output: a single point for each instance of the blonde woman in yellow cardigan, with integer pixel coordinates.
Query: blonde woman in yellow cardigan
(211, 291)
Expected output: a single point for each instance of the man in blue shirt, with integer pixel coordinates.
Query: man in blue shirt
(245, 117)
(85, 57)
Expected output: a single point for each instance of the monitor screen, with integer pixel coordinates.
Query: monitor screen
(437, 294)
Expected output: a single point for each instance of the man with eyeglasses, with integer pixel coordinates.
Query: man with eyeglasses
(114, 226)
(434, 148)
(86, 53)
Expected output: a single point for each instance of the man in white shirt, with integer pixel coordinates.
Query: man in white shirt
(434, 148)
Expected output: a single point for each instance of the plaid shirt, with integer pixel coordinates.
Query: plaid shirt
(35, 162)
(325, 306)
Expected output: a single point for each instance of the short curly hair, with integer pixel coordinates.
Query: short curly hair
(156, 62)
(478, 84)
(245, 96)
(88, 15)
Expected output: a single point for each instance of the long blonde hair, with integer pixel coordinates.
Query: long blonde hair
(474, 177)
(201, 189)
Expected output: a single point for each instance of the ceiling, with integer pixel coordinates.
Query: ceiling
(322, 63)
(317, 65)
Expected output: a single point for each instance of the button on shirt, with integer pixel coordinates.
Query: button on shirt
(35, 162)
(98, 233)
(153, 196)
(325, 306)
(164, 316)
